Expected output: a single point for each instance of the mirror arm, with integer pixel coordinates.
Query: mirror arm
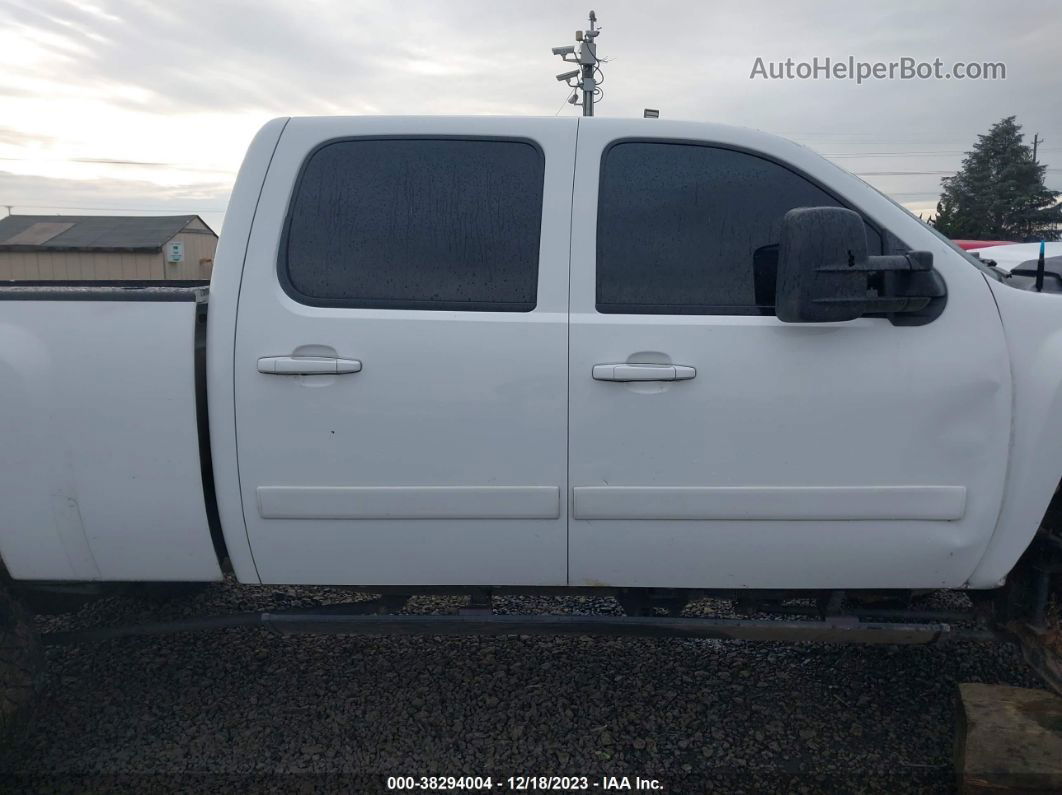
(912, 261)
(902, 287)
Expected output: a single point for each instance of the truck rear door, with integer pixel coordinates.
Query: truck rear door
(711, 444)
(401, 353)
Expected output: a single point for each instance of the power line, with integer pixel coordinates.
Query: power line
(914, 173)
(913, 140)
(572, 94)
(902, 154)
(107, 161)
(116, 209)
(902, 173)
(891, 154)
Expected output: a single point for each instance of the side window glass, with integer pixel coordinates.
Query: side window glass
(436, 224)
(691, 229)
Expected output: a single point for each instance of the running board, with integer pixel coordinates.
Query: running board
(330, 620)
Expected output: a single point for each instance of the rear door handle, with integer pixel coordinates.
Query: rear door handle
(625, 371)
(307, 365)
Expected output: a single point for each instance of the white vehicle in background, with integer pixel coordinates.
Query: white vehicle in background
(649, 359)
(1012, 255)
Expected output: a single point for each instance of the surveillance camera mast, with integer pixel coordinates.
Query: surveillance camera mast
(586, 57)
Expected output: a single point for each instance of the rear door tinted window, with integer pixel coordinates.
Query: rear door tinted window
(691, 229)
(443, 224)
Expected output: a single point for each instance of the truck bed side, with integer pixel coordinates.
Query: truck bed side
(100, 463)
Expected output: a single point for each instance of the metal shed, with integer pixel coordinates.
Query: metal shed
(105, 247)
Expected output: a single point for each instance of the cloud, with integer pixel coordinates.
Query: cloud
(46, 195)
(184, 84)
(18, 138)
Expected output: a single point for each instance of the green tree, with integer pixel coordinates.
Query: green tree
(999, 193)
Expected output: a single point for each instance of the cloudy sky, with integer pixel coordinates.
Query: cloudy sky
(133, 106)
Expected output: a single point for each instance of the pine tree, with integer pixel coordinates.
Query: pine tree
(945, 217)
(999, 193)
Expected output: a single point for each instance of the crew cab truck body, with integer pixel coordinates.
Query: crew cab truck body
(447, 352)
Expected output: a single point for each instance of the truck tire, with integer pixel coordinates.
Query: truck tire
(20, 662)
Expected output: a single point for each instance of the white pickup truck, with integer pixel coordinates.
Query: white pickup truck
(645, 358)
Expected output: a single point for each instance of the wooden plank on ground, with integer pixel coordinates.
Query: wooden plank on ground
(1042, 649)
(1009, 740)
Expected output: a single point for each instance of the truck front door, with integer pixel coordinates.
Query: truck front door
(712, 445)
(400, 361)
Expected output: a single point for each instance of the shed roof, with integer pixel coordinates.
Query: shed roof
(90, 232)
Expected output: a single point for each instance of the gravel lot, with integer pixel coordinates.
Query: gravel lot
(246, 709)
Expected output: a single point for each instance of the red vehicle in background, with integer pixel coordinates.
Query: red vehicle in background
(966, 245)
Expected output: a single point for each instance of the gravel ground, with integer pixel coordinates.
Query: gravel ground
(246, 709)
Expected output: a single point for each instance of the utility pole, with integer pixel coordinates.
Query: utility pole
(586, 57)
(1037, 140)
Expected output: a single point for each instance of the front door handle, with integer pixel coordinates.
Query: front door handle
(625, 371)
(307, 365)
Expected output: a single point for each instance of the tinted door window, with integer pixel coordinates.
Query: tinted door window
(689, 229)
(416, 224)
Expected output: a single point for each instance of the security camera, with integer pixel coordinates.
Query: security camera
(567, 76)
(564, 50)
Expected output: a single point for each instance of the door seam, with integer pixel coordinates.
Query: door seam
(568, 374)
(235, 339)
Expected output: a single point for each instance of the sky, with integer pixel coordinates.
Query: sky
(146, 106)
